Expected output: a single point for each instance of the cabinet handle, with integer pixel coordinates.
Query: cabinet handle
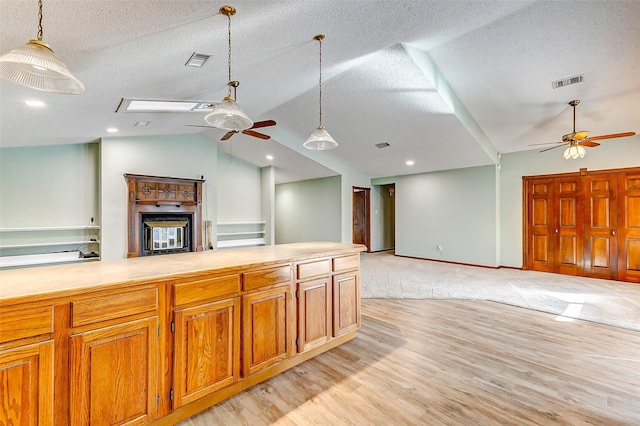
(613, 232)
(556, 230)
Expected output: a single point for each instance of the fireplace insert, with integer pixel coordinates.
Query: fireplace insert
(164, 233)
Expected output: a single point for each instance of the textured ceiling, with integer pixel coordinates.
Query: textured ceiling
(448, 84)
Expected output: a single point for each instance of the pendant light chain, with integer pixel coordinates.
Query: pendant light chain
(229, 18)
(320, 83)
(39, 20)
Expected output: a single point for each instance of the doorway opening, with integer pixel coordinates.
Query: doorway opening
(361, 201)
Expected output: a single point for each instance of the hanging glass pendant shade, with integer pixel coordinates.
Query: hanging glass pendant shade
(35, 65)
(320, 139)
(227, 115)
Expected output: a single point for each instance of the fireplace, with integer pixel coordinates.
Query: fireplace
(165, 233)
(164, 215)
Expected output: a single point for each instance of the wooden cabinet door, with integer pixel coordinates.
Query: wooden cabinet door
(539, 216)
(206, 349)
(267, 328)
(346, 303)
(26, 385)
(600, 240)
(314, 313)
(629, 227)
(114, 374)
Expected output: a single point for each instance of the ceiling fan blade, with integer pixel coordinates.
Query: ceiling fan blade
(256, 134)
(589, 144)
(265, 123)
(545, 143)
(228, 135)
(554, 147)
(611, 136)
(197, 125)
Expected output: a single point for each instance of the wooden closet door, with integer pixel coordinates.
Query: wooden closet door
(600, 240)
(629, 227)
(539, 235)
(568, 225)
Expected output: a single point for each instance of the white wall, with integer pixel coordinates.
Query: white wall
(454, 209)
(49, 186)
(239, 189)
(611, 154)
(309, 210)
(180, 156)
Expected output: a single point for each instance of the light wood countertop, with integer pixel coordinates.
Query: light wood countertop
(30, 284)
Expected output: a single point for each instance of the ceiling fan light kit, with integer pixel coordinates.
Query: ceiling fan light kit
(574, 151)
(578, 140)
(227, 115)
(320, 139)
(35, 65)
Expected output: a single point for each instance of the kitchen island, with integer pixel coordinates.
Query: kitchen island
(154, 340)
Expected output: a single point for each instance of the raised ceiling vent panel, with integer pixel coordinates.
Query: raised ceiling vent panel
(567, 81)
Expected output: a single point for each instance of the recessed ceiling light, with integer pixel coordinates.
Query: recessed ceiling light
(112, 130)
(142, 123)
(269, 157)
(410, 163)
(34, 103)
(382, 145)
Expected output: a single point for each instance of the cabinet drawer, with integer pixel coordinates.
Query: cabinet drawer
(312, 269)
(265, 277)
(113, 305)
(203, 288)
(346, 262)
(27, 322)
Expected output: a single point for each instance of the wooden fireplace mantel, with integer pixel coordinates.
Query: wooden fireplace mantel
(157, 194)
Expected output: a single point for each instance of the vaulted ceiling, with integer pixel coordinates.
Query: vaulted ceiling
(447, 84)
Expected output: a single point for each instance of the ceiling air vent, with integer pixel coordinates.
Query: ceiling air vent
(382, 145)
(197, 59)
(567, 81)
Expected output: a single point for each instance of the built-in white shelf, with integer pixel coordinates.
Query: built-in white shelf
(58, 243)
(43, 259)
(226, 234)
(241, 234)
(42, 245)
(259, 222)
(50, 228)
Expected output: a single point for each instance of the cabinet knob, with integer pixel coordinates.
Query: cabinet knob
(613, 232)
(556, 230)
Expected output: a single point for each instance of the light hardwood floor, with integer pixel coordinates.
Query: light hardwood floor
(445, 362)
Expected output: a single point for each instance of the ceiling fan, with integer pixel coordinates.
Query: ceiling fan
(256, 125)
(578, 140)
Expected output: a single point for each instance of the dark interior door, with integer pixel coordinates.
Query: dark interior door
(361, 216)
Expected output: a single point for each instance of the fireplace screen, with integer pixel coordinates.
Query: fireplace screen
(165, 235)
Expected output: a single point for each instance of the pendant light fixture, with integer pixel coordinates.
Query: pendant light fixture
(320, 139)
(35, 65)
(227, 115)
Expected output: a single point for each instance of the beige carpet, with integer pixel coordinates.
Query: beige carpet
(386, 276)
